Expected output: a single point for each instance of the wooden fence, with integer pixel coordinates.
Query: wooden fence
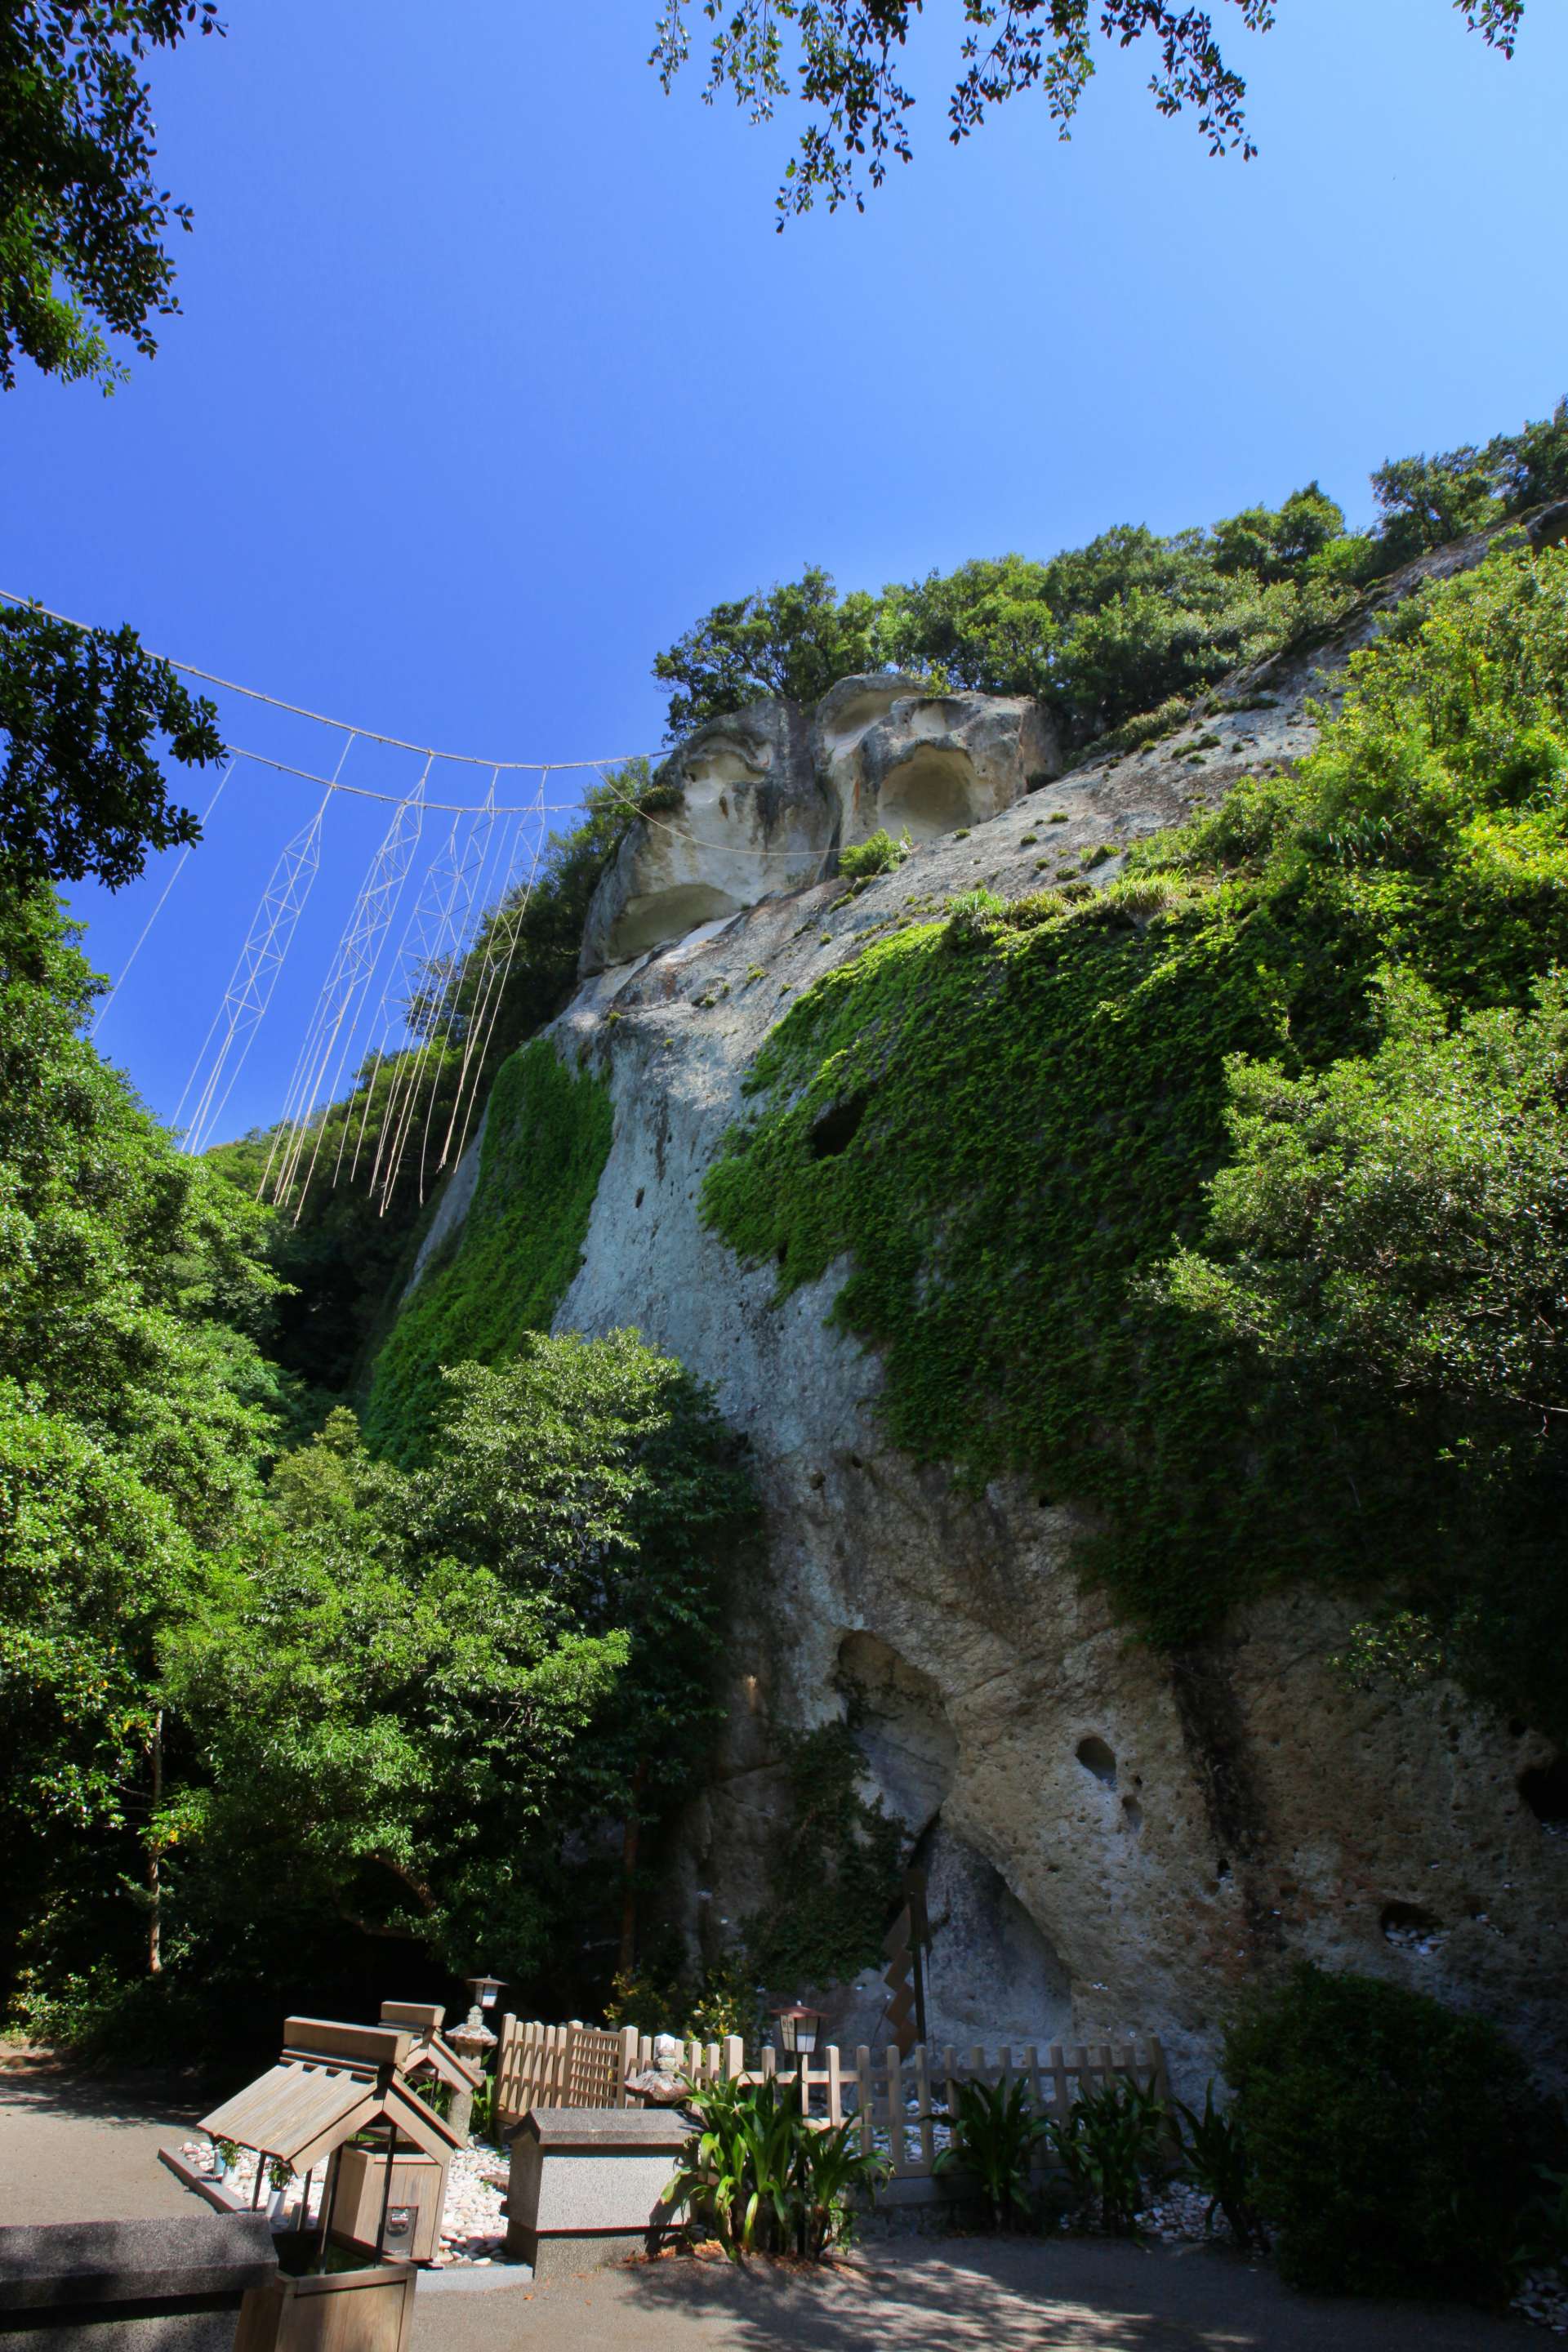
(900, 2103)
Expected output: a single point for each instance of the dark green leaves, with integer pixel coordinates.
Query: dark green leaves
(82, 712)
(82, 219)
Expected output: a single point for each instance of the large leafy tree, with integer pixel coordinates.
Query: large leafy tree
(844, 60)
(133, 1416)
(428, 1697)
(793, 640)
(82, 219)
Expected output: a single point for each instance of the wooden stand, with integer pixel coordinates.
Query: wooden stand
(417, 2182)
(342, 2311)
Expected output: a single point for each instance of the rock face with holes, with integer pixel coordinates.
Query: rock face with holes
(1116, 1841)
(760, 803)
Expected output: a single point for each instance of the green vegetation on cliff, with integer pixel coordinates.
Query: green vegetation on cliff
(1010, 1122)
(546, 1138)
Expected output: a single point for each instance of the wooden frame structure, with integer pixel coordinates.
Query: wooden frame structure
(333, 2083)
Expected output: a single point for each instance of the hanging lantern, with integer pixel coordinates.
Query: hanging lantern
(797, 2030)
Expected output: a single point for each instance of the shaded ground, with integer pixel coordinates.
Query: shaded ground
(76, 2148)
(962, 2294)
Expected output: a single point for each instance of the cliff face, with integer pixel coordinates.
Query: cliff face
(1116, 1838)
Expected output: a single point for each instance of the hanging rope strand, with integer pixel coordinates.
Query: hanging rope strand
(162, 902)
(519, 921)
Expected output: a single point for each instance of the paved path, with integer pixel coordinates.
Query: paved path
(74, 2148)
(962, 2294)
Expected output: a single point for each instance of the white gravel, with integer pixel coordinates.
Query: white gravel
(473, 2227)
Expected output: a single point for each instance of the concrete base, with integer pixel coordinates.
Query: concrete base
(591, 2179)
(567, 2253)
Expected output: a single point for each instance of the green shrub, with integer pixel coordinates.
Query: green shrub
(1392, 2137)
(1109, 2139)
(877, 855)
(971, 918)
(1218, 2162)
(995, 2132)
(765, 2177)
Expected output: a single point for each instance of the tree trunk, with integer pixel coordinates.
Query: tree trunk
(154, 1879)
(631, 1838)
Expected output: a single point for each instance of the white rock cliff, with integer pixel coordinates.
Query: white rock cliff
(1116, 1839)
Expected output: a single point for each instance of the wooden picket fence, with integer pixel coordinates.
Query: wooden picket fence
(900, 2103)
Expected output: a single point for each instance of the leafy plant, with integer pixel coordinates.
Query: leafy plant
(1349, 2092)
(995, 2132)
(1110, 2138)
(767, 2178)
(1544, 2245)
(1216, 2160)
(970, 916)
(878, 853)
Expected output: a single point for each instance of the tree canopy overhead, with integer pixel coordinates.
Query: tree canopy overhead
(844, 59)
(82, 219)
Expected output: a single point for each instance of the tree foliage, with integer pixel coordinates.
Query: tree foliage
(793, 641)
(422, 1696)
(843, 58)
(82, 219)
(133, 1417)
(1105, 632)
(81, 711)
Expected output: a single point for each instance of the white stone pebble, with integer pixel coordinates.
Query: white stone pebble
(473, 2227)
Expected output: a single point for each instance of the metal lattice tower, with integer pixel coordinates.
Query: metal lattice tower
(250, 987)
(431, 948)
(319, 1068)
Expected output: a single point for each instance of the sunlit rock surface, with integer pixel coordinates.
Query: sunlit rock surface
(760, 803)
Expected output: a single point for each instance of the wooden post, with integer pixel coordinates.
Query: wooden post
(386, 2193)
(834, 2086)
(328, 2191)
(866, 2098)
(922, 2092)
(896, 2109)
(734, 2057)
(628, 2061)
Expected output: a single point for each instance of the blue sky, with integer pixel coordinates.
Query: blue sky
(494, 374)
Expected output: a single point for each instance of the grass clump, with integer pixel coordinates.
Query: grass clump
(880, 854)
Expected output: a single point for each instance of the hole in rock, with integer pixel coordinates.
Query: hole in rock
(932, 793)
(1133, 1812)
(638, 1202)
(1544, 1789)
(1097, 1757)
(1409, 1928)
(835, 1128)
(658, 918)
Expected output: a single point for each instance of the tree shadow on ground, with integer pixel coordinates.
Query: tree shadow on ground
(1028, 2295)
(128, 2099)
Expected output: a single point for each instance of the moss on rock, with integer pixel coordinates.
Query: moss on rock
(547, 1137)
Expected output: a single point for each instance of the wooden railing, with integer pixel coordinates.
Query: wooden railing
(900, 2103)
